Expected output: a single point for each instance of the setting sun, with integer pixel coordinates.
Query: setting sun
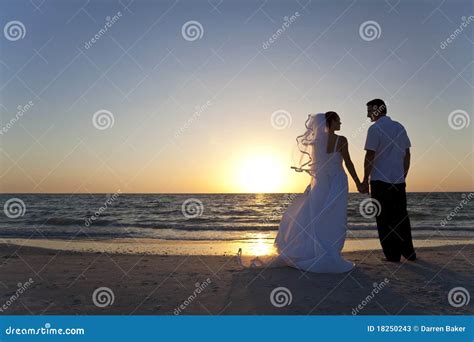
(261, 173)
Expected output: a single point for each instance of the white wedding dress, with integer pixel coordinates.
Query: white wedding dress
(312, 231)
(313, 228)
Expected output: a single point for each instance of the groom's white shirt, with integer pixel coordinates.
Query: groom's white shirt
(389, 140)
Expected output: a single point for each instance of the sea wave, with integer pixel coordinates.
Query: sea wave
(114, 225)
(224, 216)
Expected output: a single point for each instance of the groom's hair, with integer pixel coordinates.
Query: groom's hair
(378, 105)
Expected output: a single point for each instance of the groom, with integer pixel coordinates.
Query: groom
(387, 161)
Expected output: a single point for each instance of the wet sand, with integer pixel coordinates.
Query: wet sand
(188, 247)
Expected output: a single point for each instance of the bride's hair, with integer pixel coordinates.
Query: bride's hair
(330, 117)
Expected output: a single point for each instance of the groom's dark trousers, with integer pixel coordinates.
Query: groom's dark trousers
(393, 223)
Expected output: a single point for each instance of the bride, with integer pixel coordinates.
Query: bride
(313, 229)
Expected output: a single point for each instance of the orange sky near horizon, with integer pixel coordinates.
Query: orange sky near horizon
(247, 170)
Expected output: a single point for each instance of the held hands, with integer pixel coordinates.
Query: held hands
(363, 187)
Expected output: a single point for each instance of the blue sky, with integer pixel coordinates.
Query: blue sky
(151, 79)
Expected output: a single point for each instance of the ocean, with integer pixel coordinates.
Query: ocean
(207, 216)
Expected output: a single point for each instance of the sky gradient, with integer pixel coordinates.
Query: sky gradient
(195, 115)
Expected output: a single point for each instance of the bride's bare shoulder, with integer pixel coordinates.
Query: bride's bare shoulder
(342, 139)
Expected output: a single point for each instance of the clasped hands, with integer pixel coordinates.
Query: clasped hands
(363, 187)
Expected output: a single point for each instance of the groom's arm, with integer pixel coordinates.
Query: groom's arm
(406, 161)
(368, 165)
(371, 145)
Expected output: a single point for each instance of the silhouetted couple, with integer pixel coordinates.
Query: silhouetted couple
(313, 229)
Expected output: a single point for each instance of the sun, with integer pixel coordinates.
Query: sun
(261, 173)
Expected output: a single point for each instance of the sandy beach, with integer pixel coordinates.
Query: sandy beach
(147, 277)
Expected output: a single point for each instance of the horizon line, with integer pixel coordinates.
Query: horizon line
(192, 193)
